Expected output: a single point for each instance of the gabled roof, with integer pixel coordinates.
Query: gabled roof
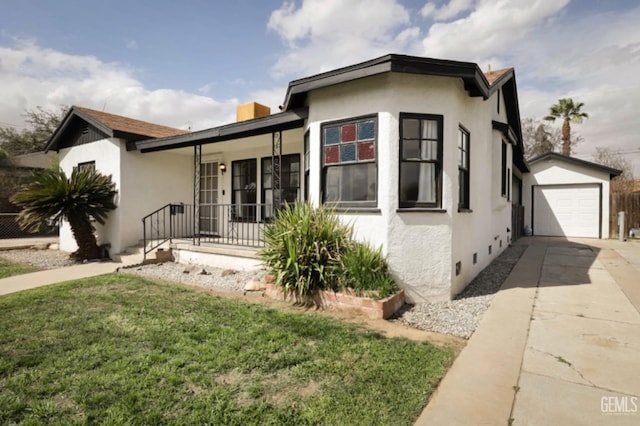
(111, 125)
(572, 160)
(494, 77)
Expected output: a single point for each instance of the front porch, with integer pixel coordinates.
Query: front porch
(241, 174)
(230, 229)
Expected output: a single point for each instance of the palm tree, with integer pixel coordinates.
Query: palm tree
(49, 195)
(568, 111)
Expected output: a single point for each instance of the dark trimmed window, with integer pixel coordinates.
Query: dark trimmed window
(243, 190)
(289, 179)
(307, 165)
(87, 165)
(463, 169)
(349, 162)
(420, 160)
(504, 190)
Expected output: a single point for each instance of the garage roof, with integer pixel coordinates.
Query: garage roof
(555, 156)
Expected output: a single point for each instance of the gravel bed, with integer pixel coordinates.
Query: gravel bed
(460, 317)
(44, 258)
(226, 280)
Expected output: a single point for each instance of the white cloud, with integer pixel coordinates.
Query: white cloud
(493, 27)
(447, 11)
(324, 34)
(272, 98)
(597, 63)
(32, 76)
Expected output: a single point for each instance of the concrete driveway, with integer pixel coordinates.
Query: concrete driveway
(560, 343)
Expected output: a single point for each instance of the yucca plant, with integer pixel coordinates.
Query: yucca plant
(50, 195)
(302, 249)
(365, 270)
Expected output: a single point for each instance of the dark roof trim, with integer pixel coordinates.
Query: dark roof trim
(555, 156)
(56, 138)
(506, 130)
(474, 80)
(259, 126)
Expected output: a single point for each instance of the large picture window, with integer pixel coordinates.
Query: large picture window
(463, 169)
(420, 160)
(243, 190)
(349, 162)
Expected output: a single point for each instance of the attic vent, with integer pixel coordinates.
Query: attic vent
(85, 130)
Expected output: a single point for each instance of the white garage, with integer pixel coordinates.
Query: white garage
(567, 210)
(567, 197)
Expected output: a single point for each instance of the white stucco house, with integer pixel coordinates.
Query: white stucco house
(423, 156)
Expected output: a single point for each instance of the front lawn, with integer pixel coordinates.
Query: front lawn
(121, 349)
(8, 269)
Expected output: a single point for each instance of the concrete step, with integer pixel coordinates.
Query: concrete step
(128, 258)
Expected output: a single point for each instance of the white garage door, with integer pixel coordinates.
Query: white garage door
(567, 210)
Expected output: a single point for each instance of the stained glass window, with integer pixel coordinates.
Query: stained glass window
(349, 162)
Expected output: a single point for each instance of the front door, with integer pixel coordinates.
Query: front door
(209, 198)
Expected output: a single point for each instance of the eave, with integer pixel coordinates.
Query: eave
(276, 122)
(474, 81)
(572, 160)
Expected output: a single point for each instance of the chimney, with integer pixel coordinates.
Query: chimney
(251, 110)
(489, 69)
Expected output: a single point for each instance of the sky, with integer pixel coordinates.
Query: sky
(187, 64)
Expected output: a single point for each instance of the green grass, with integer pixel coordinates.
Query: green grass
(120, 349)
(8, 269)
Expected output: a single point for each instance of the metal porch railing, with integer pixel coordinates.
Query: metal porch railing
(230, 224)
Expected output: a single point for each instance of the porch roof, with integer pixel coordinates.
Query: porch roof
(286, 120)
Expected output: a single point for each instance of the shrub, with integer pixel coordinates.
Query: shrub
(309, 250)
(365, 270)
(302, 249)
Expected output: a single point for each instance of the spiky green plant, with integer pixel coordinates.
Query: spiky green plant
(50, 195)
(302, 249)
(365, 270)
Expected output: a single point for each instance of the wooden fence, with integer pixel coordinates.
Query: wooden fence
(629, 203)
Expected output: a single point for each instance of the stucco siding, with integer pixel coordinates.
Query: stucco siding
(150, 181)
(423, 246)
(490, 216)
(106, 154)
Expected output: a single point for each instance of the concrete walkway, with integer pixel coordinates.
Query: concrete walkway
(50, 276)
(53, 276)
(560, 343)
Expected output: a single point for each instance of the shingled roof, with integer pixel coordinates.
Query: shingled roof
(493, 76)
(131, 125)
(105, 125)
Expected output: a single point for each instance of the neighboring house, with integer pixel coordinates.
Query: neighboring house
(14, 171)
(567, 197)
(89, 138)
(423, 156)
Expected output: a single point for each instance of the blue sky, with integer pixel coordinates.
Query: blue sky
(189, 63)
